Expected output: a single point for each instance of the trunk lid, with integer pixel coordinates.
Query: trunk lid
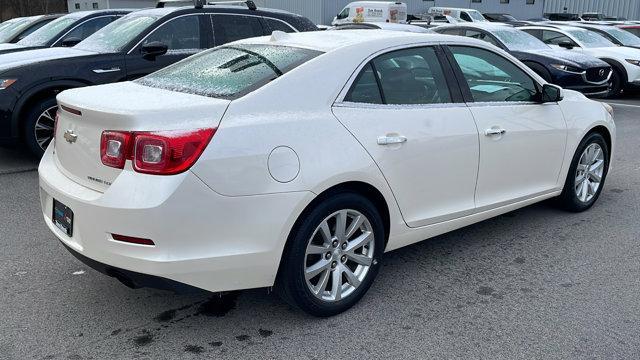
(85, 113)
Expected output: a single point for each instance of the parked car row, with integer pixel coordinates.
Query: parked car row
(292, 158)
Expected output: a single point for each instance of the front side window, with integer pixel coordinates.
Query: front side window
(590, 39)
(516, 40)
(556, 38)
(406, 77)
(228, 28)
(274, 25)
(343, 14)
(32, 29)
(492, 78)
(182, 33)
(481, 36)
(464, 16)
(624, 37)
(229, 72)
(89, 27)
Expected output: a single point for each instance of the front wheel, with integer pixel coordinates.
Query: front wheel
(587, 174)
(615, 85)
(38, 125)
(332, 256)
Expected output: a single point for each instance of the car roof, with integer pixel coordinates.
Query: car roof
(208, 9)
(479, 25)
(328, 41)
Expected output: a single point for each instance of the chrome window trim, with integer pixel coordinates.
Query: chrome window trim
(356, 105)
(82, 23)
(158, 27)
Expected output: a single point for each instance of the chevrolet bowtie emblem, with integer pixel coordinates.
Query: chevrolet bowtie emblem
(70, 136)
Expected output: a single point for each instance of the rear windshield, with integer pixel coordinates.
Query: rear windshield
(229, 72)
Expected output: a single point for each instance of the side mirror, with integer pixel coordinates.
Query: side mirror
(566, 44)
(150, 51)
(551, 93)
(71, 41)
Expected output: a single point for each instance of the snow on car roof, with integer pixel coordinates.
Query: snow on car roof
(327, 41)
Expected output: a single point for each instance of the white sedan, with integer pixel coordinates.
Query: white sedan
(625, 61)
(297, 160)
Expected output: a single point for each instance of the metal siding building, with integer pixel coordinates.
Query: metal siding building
(323, 11)
(629, 9)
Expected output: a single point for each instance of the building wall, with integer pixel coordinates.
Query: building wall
(323, 11)
(629, 9)
(82, 5)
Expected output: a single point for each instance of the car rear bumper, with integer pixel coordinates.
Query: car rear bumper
(202, 239)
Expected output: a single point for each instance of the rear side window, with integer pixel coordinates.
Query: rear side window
(481, 36)
(407, 77)
(229, 72)
(492, 78)
(228, 28)
(273, 25)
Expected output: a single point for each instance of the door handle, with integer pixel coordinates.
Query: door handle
(390, 140)
(104, 71)
(495, 131)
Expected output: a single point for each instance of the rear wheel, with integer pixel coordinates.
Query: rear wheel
(38, 126)
(587, 174)
(332, 256)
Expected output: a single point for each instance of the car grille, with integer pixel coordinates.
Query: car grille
(595, 75)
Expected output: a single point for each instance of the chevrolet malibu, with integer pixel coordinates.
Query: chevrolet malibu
(296, 161)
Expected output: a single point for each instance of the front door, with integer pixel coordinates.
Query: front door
(184, 36)
(521, 140)
(402, 110)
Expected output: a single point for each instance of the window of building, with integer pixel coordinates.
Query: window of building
(95, 6)
(530, 2)
(77, 6)
(504, 1)
(476, 1)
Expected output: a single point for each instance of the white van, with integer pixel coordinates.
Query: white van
(469, 15)
(372, 11)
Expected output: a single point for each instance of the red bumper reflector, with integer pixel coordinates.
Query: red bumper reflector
(132, 240)
(71, 110)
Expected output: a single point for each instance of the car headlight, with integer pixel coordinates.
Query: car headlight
(567, 68)
(633, 62)
(5, 83)
(609, 108)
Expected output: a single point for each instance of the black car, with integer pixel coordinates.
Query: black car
(130, 47)
(67, 30)
(505, 19)
(14, 30)
(562, 17)
(574, 71)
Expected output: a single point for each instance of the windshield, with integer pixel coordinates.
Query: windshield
(516, 40)
(11, 28)
(114, 37)
(476, 15)
(625, 37)
(48, 32)
(229, 72)
(590, 39)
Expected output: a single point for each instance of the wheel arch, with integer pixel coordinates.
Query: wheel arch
(604, 131)
(358, 187)
(37, 93)
(617, 66)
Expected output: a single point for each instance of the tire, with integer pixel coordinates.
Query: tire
(540, 70)
(293, 285)
(32, 137)
(573, 198)
(615, 87)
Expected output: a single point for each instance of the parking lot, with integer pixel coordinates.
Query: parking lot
(534, 283)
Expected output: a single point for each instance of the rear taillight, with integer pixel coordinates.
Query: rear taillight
(158, 152)
(115, 148)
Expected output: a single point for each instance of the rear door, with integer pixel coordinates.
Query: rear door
(410, 118)
(184, 36)
(522, 141)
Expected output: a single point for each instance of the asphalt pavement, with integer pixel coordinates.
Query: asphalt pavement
(534, 283)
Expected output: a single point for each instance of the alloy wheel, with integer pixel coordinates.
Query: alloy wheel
(589, 173)
(43, 129)
(339, 255)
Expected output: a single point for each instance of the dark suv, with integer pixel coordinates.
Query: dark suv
(67, 30)
(131, 47)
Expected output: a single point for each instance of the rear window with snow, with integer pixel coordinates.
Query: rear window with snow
(231, 71)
